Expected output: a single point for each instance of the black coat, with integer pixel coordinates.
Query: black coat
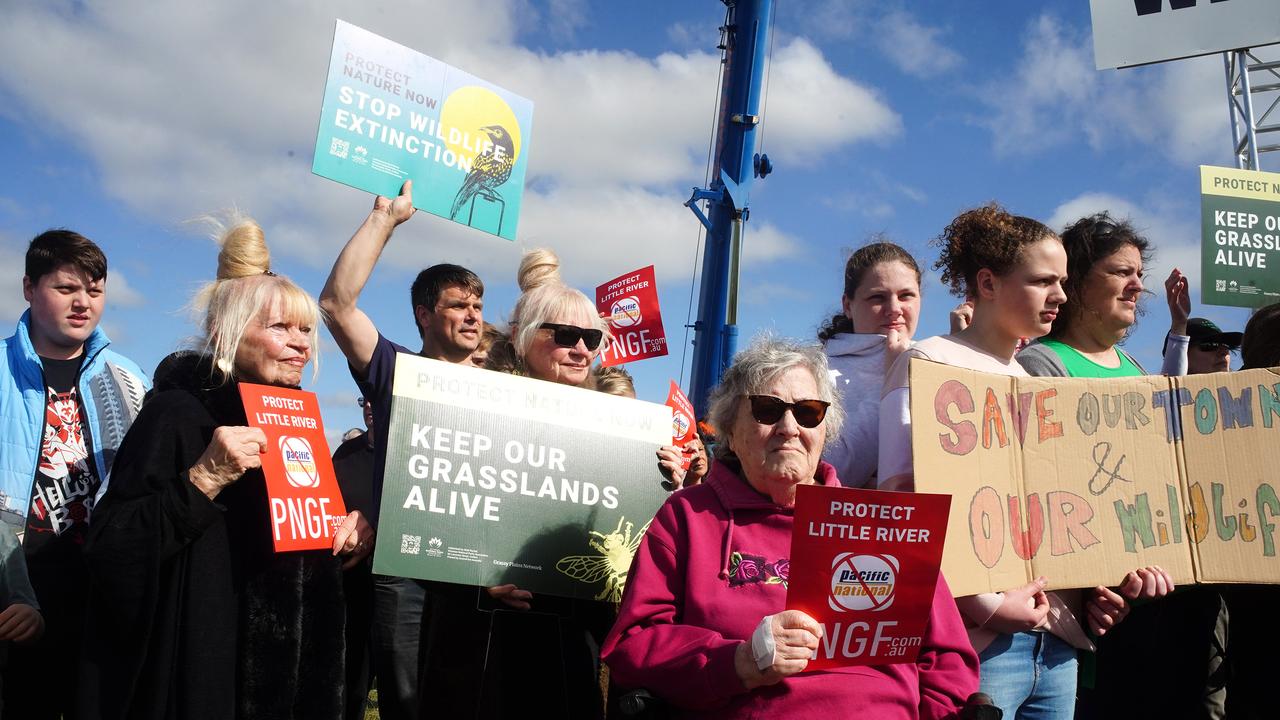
(192, 614)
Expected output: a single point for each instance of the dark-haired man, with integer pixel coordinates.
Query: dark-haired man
(66, 401)
(448, 304)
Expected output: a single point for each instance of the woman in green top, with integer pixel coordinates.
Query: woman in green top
(1160, 665)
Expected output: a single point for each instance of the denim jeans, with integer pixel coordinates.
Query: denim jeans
(397, 633)
(1030, 675)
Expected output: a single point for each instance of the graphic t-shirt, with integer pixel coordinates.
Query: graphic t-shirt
(66, 482)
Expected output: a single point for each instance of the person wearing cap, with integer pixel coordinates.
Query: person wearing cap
(1208, 348)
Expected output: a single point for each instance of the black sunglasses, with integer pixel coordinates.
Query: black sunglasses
(569, 335)
(767, 410)
(1214, 347)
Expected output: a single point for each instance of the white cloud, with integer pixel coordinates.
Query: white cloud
(187, 111)
(1056, 97)
(566, 17)
(915, 48)
(122, 294)
(12, 303)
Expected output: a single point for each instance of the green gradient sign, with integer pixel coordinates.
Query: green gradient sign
(1240, 237)
(494, 479)
(392, 114)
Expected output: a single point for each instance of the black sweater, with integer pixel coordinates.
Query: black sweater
(192, 614)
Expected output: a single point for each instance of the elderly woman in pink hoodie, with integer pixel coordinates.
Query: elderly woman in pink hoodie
(716, 561)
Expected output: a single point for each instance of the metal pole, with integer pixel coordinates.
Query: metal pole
(1228, 62)
(715, 334)
(1246, 91)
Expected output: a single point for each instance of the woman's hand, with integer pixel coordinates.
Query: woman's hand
(1147, 583)
(1178, 294)
(21, 623)
(511, 595)
(1022, 608)
(1105, 609)
(673, 465)
(232, 451)
(961, 316)
(896, 342)
(795, 638)
(353, 539)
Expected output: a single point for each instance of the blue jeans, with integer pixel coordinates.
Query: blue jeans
(396, 640)
(1030, 675)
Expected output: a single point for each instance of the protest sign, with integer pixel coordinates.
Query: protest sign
(494, 478)
(683, 425)
(864, 564)
(630, 303)
(1240, 237)
(306, 505)
(392, 114)
(1083, 480)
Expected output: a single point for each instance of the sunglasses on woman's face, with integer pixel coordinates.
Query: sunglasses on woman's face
(768, 410)
(1213, 347)
(569, 335)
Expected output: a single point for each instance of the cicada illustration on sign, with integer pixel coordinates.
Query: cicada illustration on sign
(611, 565)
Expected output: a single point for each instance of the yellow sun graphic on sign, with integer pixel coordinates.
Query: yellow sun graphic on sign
(470, 108)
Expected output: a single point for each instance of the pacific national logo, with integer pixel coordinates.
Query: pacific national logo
(625, 312)
(299, 462)
(862, 582)
(679, 424)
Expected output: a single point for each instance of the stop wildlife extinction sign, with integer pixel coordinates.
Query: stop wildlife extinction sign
(302, 488)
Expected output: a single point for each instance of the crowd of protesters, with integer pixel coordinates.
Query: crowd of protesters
(138, 577)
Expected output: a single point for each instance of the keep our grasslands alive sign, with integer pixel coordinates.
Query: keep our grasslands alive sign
(392, 114)
(306, 504)
(1240, 237)
(864, 564)
(1083, 480)
(494, 478)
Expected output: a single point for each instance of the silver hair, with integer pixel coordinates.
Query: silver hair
(755, 368)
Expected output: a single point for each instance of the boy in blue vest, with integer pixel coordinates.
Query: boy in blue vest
(66, 401)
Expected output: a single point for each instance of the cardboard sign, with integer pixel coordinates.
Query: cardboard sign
(864, 563)
(306, 504)
(683, 425)
(630, 303)
(1083, 480)
(1239, 237)
(495, 478)
(392, 114)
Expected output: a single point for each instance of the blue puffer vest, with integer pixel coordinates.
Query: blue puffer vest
(111, 388)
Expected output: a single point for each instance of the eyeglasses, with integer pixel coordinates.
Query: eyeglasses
(768, 410)
(1213, 347)
(569, 335)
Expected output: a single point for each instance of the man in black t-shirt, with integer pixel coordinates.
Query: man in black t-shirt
(413, 620)
(68, 402)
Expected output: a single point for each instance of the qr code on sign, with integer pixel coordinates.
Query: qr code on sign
(410, 544)
(339, 147)
(1220, 285)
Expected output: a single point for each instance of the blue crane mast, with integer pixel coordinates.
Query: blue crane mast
(745, 43)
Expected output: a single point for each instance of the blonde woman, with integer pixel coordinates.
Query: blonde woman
(192, 613)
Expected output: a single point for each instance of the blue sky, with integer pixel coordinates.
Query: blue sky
(124, 120)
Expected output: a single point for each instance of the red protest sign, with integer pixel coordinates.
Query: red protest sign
(306, 505)
(864, 563)
(630, 304)
(683, 427)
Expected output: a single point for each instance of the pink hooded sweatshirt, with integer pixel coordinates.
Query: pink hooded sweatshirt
(714, 562)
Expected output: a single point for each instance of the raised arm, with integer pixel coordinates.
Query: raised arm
(354, 332)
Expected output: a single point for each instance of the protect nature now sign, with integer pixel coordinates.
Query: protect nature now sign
(1240, 236)
(494, 478)
(392, 114)
(1083, 480)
